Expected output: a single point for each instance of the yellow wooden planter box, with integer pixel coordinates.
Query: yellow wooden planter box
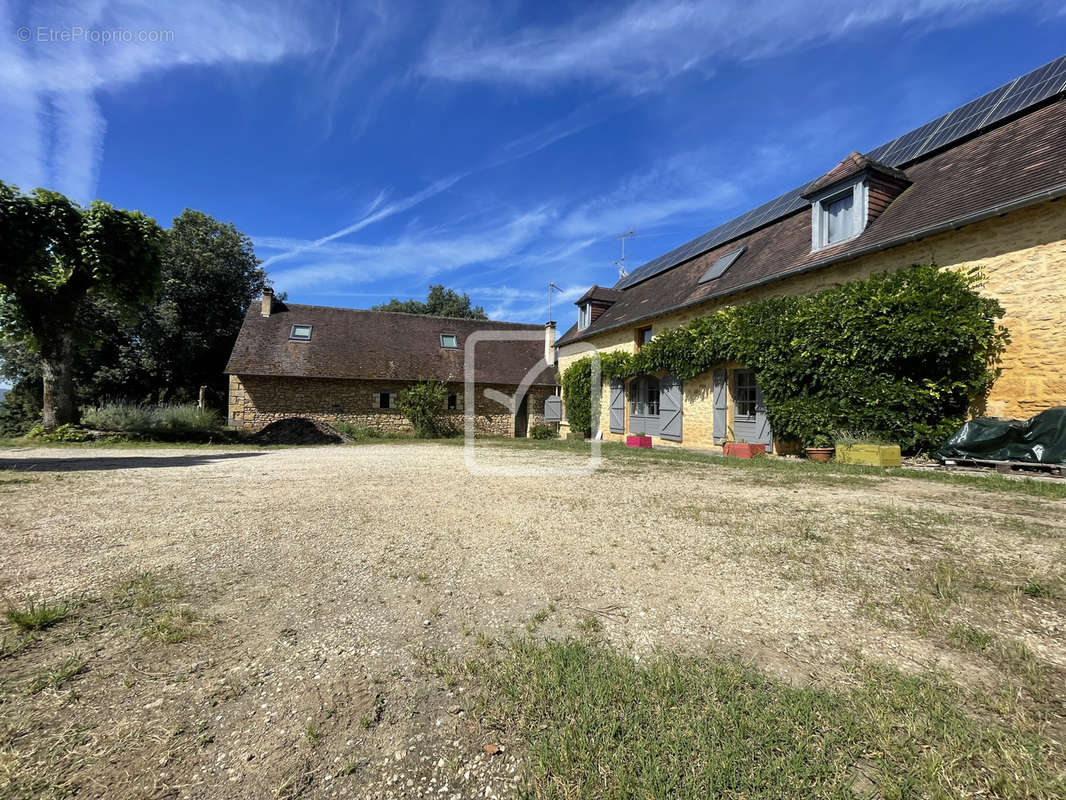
(870, 455)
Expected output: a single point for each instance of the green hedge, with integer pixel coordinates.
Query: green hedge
(902, 355)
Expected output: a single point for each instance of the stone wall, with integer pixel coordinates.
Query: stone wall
(1023, 258)
(258, 400)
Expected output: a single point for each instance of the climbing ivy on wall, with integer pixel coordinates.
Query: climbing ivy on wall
(576, 381)
(902, 355)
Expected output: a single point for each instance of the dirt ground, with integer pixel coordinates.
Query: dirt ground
(263, 623)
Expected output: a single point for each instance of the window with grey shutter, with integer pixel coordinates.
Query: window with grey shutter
(618, 407)
(553, 409)
(671, 399)
(720, 406)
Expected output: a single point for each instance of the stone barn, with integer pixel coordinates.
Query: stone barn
(350, 365)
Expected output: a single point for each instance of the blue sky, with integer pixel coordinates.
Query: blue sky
(372, 149)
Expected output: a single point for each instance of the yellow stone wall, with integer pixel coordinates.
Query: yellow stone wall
(1023, 257)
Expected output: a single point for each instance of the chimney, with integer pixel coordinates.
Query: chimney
(549, 343)
(268, 300)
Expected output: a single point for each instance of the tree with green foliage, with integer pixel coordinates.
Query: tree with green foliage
(55, 257)
(210, 275)
(440, 302)
(175, 344)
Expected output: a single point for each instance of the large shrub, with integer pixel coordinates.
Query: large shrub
(139, 418)
(424, 404)
(187, 419)
(902, 355)
(120, 416)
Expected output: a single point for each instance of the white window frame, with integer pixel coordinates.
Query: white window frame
(454, 337)
(377, 401)
(292, 333)
(820, 212)
(584, 316)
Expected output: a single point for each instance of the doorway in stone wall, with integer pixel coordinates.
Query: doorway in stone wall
(521, 418)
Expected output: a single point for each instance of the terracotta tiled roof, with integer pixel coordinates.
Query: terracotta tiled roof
(1016, 162)
(350, 343)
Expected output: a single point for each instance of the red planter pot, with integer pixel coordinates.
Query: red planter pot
(743, 449)
(638, 441)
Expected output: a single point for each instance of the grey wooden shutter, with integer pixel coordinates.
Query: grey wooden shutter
(618, 407)
(763, 434)
(670, 411)
(553, 409)
(720, 406)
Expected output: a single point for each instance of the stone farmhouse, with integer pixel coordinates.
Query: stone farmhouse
(348, 365)
(981, 186)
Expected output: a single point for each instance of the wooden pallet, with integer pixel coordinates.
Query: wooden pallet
(1008, 466)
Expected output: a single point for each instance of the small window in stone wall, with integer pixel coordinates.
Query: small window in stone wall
(386, 399)
(449, 341)
(453, 402)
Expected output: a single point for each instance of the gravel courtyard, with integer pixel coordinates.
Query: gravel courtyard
(268, 623)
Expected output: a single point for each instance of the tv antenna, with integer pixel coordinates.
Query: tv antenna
(551, 287)
(621, 262)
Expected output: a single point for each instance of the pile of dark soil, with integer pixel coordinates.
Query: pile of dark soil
(298, 430)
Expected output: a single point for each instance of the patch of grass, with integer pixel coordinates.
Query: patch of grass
(794, 471)
(13, 645)
(312, 734)
(598, 724)
(944, 581)
(1040, 589)
(58, 675)
(540, 617)
(157, 606)
(170, 627)
(589, 625)
(11, 478)
(1020, 662)
(967, 637)
(36, 616)
(364, 433)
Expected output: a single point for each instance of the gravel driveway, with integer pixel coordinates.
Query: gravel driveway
(325, 582)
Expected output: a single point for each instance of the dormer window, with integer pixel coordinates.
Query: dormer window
(849, 197)
(593, 303)
(449, 341)
(300, 333)
(838, 216)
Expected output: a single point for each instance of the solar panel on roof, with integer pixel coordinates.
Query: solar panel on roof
(1030, 89)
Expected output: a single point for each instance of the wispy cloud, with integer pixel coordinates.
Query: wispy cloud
(375, 214)
(507, 153)
(340, 266)
(48, 104)
(638, 47)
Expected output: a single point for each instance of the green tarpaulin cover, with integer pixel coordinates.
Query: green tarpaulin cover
(1040, 440)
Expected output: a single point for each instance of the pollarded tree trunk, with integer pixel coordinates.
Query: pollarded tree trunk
(57, 366)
